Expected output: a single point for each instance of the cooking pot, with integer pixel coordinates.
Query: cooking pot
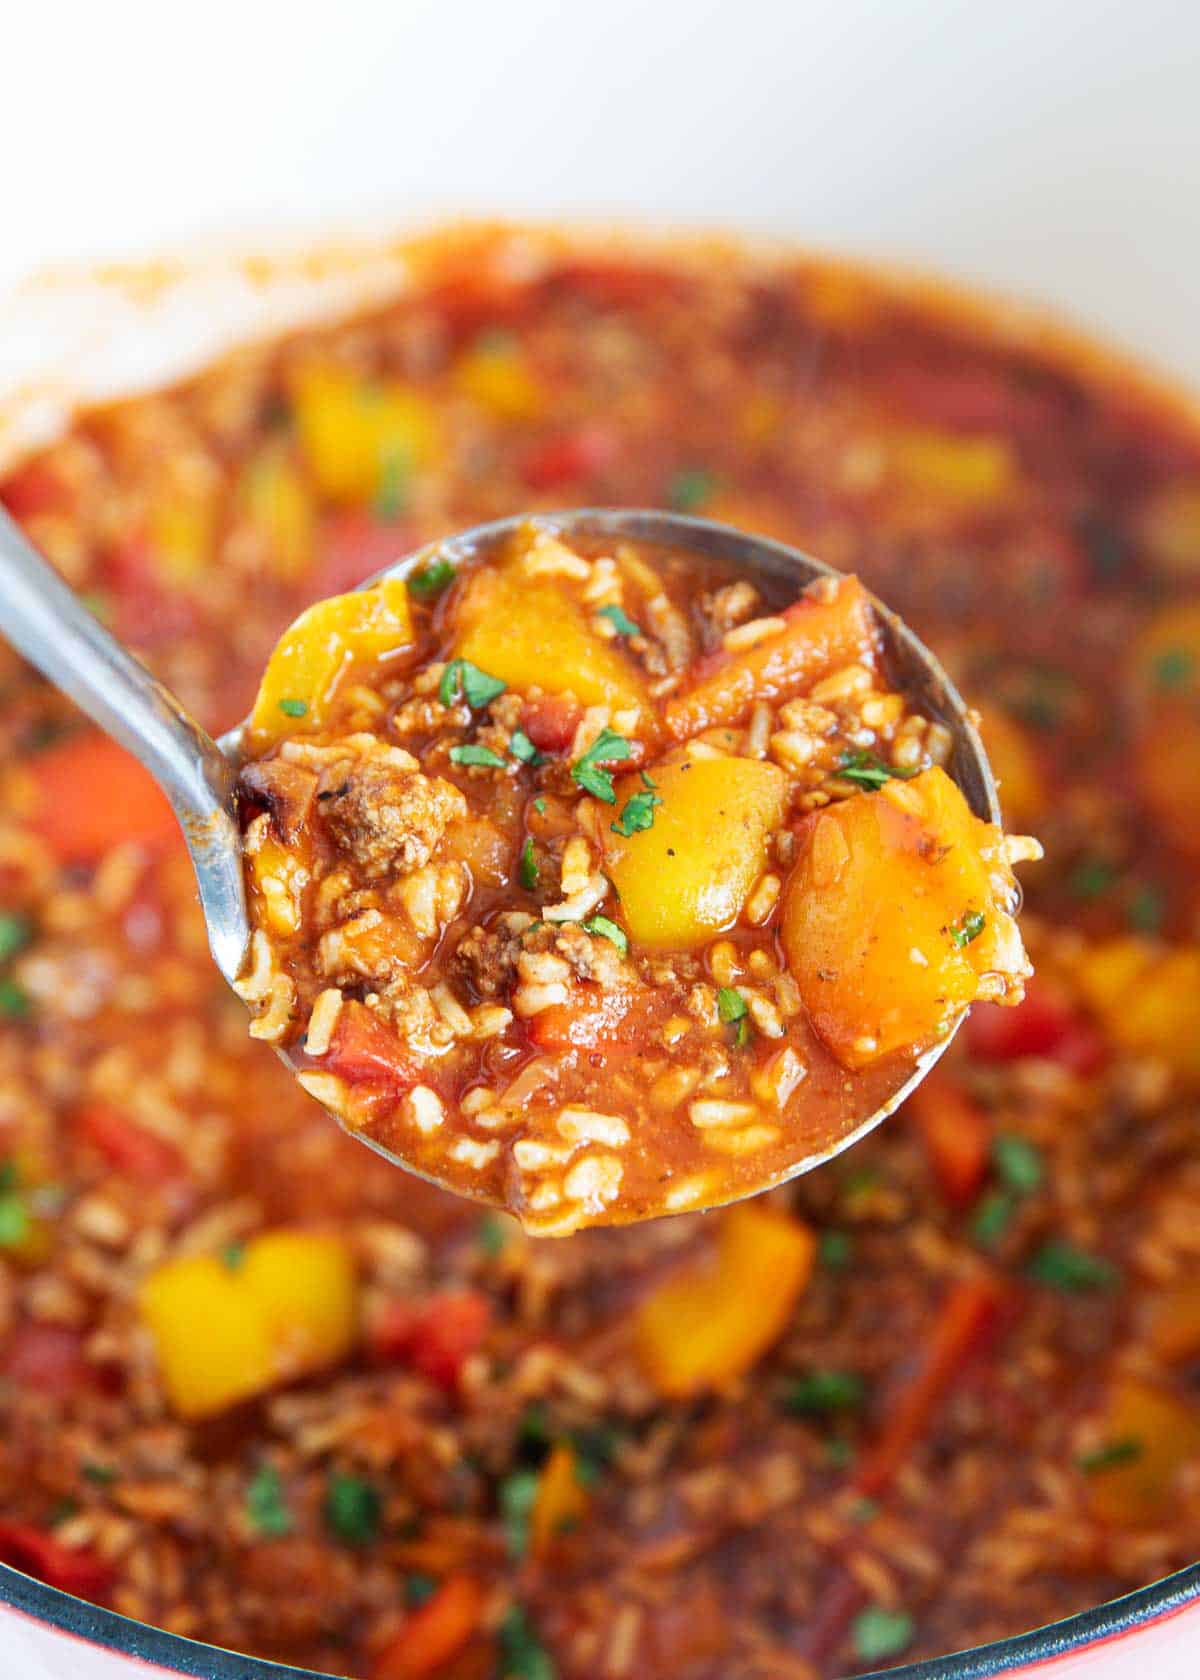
(1049, 152)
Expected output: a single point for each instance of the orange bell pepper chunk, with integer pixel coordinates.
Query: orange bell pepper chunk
(824, 631)
(435, 1633)
(708, 1324)
(561, 1500)
(955, 1135)
(1151, 1435)
(1173, 1322)
(92, 795)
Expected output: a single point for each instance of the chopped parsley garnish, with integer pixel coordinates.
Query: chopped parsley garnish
(863, 1510)
(867, 771)
(528, 869)
(522, 1654)
(520, 746)
(992, 1216)
(878, 1632)
(232, 1255)
(14, 1215)
(620, 621)
(1174, 669)
(690, 489)
(463, 680)
(293, 708)
(100, 1475)
(431, 579)
(492, 1234)
(14, 934)
(590, 771)
(839, 1453)
(637, 813)
(595, 1446)
(967, 928)
(533, 1432)
(1091, 878)
(605, 929)
(1110, 1455)
(14, 1000)
(1146, 911)
(473, 753)
(352, 1509)
(731, 1005)
(825, 1391)
(266, 1511)
(1018, 1163)
(394, 482)
(835, 1250)
(1060, 1265)
(539, 806)
(516, 1496)
(418, 1590)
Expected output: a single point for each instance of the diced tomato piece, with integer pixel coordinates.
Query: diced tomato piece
(965, 1322)
(47, 1359)
(967, 399)
(589, 1020)
(354, 545)
(71, 1569)
(570, 456)
(34, 488)
(955, 1135)
(614, 284)
(1045, 1024)
(435, 1633)
(128, 1146)
(470, 303)
(144, 611)
(435, 1337)
(551, 722)
(366, 1051)
(92, 795)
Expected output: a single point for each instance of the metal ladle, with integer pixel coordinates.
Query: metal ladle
(47, 623)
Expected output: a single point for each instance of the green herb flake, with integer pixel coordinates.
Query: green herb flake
(533, 1431)
(520, 746)
(838, 1453)
(14, 1217)
(1091, 878)
(877, 1633)
(395, 483)
(867, 771)
(863, 1510)
(352, 1509)
(516, 1495)
(63, 1511)
(100, 1475)
(731, 1005)
(15, 933)
(492, 1234)
(522, 1654)
(1110, 1455)
(431, 579)
(1174, 669)
(463, 680)
(820, 1392)
(605, 929)
(1060, 1265)
(637, 813)
(690, 488)
(620, 621)
(266, 1511)
(539, 806)
(528, 869)
(835, 1250)
(967, 928)
(293, 708)
(1147, 910)
(991, 1218)
(232, 1255)
(473, 753)
(418, 1590)
(1018, 1163)
(596, 1446)
(9, 1177)
(591, 773)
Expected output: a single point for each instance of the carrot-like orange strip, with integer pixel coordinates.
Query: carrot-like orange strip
(435, 1633)
(824, 632)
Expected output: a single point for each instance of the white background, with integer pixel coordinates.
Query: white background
(1051, 147)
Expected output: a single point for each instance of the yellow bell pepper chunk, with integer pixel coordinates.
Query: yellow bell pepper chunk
(497, 378)
(894, 915)
(1015, 767)
(708, 1325)
(531, 631)
(1147, 996)
(977, 471)
(687, 877)
(561, 1501)
(180, 530)
(315, 651)
(278, 505)
(1151, 1434)
(354, 432)
(280, 879)
(1171, 528)
(224, 1333)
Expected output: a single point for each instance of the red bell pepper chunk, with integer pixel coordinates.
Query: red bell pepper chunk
(435, 1337)
(127, 1146)
(354, 546)
(955, 1135)
(145, 611)
(47, 1359)
(589, 1020)
(71, 1569)
(570, 457)
(434, 1634)
(365, 1051)
(34, 488)
(1045, 1024)
(92, 795)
